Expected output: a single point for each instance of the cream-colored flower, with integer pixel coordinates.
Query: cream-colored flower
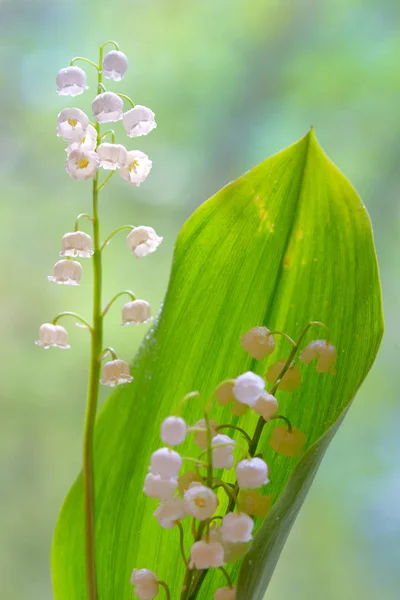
(169, 512)
(52, 336)
(146, 584)
(76, 243)
(225, 593)
(68, 272)
(258, 343)
(82, 165)
(107, 107)
(291, 379)
(205, 555)
(165, 462)
(87, 142)
(173, 431)
(115, 65)
(112, 156)
(116, 372)
(136, 312)
(237, 527)
(324, 352)
(139, 121)
(159, 487)
(232, 551)
(137, 168)
(266, 406)
(71, 81)
(201, 437)
(248, 388)
(222, 454)
(252, 473)
(143, 240)
(72, 124)
(200, 501)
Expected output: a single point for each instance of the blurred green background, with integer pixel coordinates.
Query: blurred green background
(230, 82)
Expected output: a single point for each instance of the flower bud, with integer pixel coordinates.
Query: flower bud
(248, 388)
(291, 379)
(82, 165)
(136, 312)
(222, 456)
(137, 167)
(116, 372)
(252, 473)
(143, 240)
(72, 124)
(139, 121)
(185, 480)
(237, 527)
(258, 343)
(68, 272)
(165, 462)
(107, 107)
(206, 556)
(324, 352)
(115, 65)
(71, 81)
(200, 501)
(52, 335)
(76, 243)
(169, 512)
(173, 431)
(266, 406)
(225, 593)
(224, 393)
(253, 503)
(146, 584)
(159, 487)
(201, 437)
(288, 443)
(239, 409)
(112, 156)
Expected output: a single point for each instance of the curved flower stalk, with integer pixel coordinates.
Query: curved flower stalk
(87, 155)
(225, 494)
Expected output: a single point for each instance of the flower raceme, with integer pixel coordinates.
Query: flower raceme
(224, 508)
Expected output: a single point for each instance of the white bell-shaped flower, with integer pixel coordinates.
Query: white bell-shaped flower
(165, 462)
(324, 352)
(173, 431)
(159, 487)
(137, 168)
(76, 243)
(222, 454)
(136, 312)
(112, 156)
(201, 436)
(115, 65)
(252, 473)
(116, 372)
(107, 107)
(225, 593)
(72, 124)
(139, 121)
(237, 528)
(248, 388)
(200, 501)
(51, 335)
(205, 555)
(68, 272)
(82, 165)
(71, 81)
(266, 406)
(143, 240)
(232, 551)
(145, 583)
(87, 142)
(169, 512)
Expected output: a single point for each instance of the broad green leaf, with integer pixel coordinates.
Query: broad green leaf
(287, 243)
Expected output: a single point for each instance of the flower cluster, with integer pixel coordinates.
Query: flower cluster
(226, 491)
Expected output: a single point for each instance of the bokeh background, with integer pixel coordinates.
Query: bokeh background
(230, 82)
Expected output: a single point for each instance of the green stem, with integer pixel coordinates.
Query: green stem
(86, 60)
(103, 135)
(166, 588)
(69, 313)
(128, 99)
(242, 431)
(288, 423)
(93, 387)
(108, 306)
(82, 216)
(227, 577)
(105, 181)
(111, 42)
(109, 237)
(108, 351)
(182, 543)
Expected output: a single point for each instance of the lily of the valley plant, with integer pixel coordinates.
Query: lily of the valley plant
(94, 154)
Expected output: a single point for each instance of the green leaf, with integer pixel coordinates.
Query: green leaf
(287, 243)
